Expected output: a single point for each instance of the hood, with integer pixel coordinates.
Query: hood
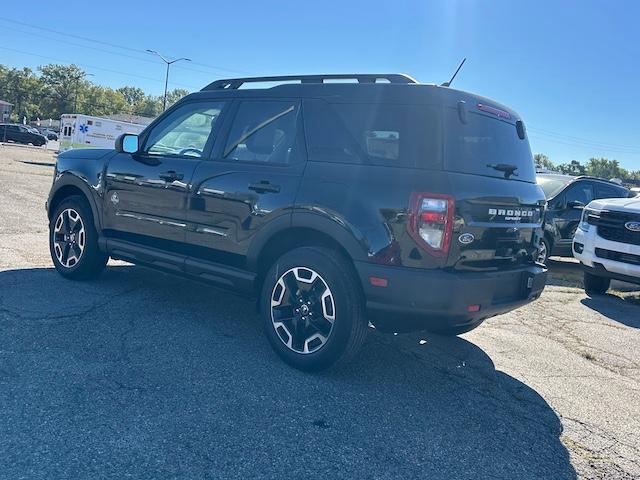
(85, 153)
(618, 204)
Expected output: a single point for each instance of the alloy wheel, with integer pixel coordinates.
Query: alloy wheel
(542, 253)
(69, 237)
(302, 310)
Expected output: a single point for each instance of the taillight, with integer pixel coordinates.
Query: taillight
(431, 221)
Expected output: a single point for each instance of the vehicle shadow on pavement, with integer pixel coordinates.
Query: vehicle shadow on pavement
(156, 377)
(621, 310)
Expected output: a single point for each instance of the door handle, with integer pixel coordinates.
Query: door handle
(171, 176)
(264, 186)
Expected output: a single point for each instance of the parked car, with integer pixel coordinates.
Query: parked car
(50, 134)
(334, 204)
(20, 134)
(566, 197)
(607, 243)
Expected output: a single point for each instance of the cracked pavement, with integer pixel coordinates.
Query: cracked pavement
(140, 374)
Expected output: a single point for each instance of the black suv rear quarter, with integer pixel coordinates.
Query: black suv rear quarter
(409, 202)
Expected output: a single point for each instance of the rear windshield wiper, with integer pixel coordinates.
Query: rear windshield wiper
(508, 168)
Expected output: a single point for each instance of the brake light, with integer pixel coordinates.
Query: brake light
(431, 221)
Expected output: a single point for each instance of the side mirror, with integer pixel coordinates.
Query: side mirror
(127, 143)
(575, 204)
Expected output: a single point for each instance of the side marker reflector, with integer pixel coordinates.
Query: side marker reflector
(473, 308)
(378, 282)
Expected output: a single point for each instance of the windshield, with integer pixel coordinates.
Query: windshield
(551, 185)
(486, 146)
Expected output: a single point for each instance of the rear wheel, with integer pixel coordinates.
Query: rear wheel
(312, 309)
(595, 285)
(73, 240)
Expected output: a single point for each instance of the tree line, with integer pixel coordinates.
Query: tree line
(56, 89)
(597, 167)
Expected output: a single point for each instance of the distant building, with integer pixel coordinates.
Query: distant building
(129, 118)
(5, 110)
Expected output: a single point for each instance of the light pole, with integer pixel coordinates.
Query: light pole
(166, 78)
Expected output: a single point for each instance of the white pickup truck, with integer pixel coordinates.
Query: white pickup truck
(607, 243)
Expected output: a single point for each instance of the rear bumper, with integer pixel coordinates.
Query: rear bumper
(441, 299)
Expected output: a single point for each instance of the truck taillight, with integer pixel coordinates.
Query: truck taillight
(431, 221)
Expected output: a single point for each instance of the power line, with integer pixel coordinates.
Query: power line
(97, 49)
(541, 131)
(93, 67)
(585, 147)
(110, 44)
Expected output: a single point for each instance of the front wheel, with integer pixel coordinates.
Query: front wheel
(544, 250)
(73, 240)
(595, 285)
(312, 308)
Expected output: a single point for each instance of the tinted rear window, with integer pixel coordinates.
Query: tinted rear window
(378, 134)
(551, 186)
(485, 140)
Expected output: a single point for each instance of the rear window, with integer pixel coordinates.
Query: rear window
(483, 143)
(378, 134)
(551, 186)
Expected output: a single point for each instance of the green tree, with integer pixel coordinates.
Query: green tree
(176, 94)
(149, 107)
(63, 86)
(22, 88)
(605, 168)
(572, 168)
(97, 100)
(132, 95)
(543, 161)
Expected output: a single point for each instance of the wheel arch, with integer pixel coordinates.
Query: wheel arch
(68, 187)
(317, 232)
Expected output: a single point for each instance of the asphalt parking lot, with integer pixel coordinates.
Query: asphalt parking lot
(143, 375)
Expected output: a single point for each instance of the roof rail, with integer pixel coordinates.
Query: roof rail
(591, 177)
(235, 83)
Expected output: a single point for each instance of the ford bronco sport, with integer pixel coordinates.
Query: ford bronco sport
(335, 204)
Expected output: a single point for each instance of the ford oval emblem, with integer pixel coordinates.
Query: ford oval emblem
(633, 226)
(466, 238)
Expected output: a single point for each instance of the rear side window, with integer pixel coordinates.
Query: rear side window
(378, 134)
(484, 145)
(264, 131)
(604, 191)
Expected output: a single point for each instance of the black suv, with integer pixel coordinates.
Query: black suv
(20, 134)
(335, 204)
(566, 197)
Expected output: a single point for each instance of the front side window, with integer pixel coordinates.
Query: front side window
(185, 131)
(264, 131)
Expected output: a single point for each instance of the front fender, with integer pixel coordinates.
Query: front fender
(83, 170)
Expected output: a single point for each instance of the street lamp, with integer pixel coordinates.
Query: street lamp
(166, 79)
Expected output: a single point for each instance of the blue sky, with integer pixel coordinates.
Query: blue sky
(570, 68)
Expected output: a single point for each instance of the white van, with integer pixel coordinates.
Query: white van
(85, 131)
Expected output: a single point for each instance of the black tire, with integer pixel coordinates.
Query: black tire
(543, 256)
(349, 326)
(595, 285)
(91, 261)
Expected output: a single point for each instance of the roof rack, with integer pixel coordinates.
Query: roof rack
(235, 83)
(591, 177)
